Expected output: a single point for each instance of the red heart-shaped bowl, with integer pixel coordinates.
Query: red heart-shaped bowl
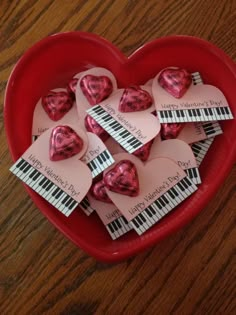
(51, 62)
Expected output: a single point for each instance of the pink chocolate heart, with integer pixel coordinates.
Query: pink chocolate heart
(123, 179)
(171, 131)
(135, 99)
(143, 152)
(57, 104)
(96, 88)
(175, 81)
(98, 191)
(92, 126)
(64, 143)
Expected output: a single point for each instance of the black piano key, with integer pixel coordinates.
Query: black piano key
(136, 144)
(46, 183)
(20, 163)
(106, 118)
(36, 176)
(194, 112)
(181, 186)
(149, 213)
(94, 166)
(161, 202)
(115, 225)
(197, 147)
(171, 194)
(132, 140)
(194, 172)
(102, 155)
(55, 191)
(90, 166)
(152, 210)
(227, 110)
(113, 124)
(43, 181)
(65, 199)
(165, 114)
(190, 113)
(118, 128)
(111, 228)
(49, 186)
(189, 183)
(33, 173)
(139, 220)
(182, 113)
(142, 217)
(184, 183)
(99, 159)
(175, 191)
(165, 199)
(118, 223)
(59, 194)
(157, 203)
(162, 114)
(135, 223)
(198, 112)
(178, 113)
(218, 111)
(106, 155)
(23, 165)
(124, 134)
(98, 110)
(206, 112)
(170, 114)
(72, 205)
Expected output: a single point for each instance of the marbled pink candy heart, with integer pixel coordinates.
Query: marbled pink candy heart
(135, 99)
(57, 104)
(175, 81)
(92, 126)
(96, 88)
(64, 143)
(171, 131)
(123, 179)
(98, 191)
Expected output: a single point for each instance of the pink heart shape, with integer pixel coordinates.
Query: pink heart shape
(96, 88)
(64, 143)
(57, 104)
(135, 99)
(123, 179)
(175, 81)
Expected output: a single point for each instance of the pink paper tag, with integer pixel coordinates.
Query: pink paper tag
(201, 102)
(63, 183)
(131, 130)
(160, 191)
(111, 217)
(181, 153)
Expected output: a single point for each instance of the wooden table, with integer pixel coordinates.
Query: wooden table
(191, 272)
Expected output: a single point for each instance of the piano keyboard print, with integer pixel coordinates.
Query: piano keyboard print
(86, 207)
(115, 129)
(212, 129)
(200, 149)
(163, 205)
(44, 187)
(193, 174)
(34, 138)
(199, 114)
(118, 227)
(100, 163)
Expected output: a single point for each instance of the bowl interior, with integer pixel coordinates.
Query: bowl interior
(53, 61)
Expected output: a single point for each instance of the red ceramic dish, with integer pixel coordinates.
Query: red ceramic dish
(51, 62)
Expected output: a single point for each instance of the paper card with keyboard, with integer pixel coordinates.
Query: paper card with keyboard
(111, 217)
(178, 99)
(58, 107)
(144, 194)
(51, 166)
(127, 117)
(180, 152)
(198, 131)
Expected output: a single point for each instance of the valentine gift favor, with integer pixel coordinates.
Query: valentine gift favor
(52, 168)
(132, 127)
(145, 196)
(177, 99)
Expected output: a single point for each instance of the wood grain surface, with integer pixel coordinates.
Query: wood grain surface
(41, 272)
